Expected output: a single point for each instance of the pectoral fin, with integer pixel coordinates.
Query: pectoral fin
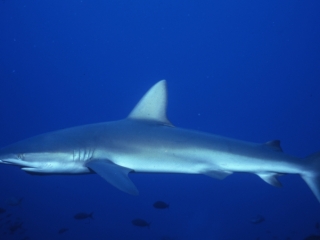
(114, 174)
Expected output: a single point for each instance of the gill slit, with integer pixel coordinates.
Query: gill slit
(81, 155)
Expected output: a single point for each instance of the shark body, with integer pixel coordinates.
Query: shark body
(147, 142)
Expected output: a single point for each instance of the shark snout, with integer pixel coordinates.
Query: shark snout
(14, 159)
(7, 157)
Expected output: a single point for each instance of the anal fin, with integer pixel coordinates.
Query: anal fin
(114, 174)
(270, 178)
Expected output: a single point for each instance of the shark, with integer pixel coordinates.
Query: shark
(147, 142)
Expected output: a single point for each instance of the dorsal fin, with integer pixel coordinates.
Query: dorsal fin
(275, 145)
(153, 105)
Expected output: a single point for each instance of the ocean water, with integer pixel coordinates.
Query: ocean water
(247, 69)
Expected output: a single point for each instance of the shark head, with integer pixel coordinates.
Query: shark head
(37, 155)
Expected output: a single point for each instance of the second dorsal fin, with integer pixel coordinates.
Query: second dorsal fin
(275, 145)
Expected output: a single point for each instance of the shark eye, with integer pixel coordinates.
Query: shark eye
(21, 156)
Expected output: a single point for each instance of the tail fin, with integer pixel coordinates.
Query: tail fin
(312, 177)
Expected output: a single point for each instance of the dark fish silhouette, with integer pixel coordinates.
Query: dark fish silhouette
(63, 230)
(13, 228)
(2, 210)
(160, 205)
(140, 223)
(9, 215)
(313, 237)
(257, 219)
(82, 215)
(317, 225)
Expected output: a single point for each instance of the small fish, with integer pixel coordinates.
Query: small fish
(63, 230)
(160, 205)
(257, 219)
(2, 210)
(313, 237)
(82, 215)
(17, 225)
(140, 223)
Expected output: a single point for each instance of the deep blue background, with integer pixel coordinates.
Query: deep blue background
(242, 69)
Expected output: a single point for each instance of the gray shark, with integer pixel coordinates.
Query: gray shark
(147, 142)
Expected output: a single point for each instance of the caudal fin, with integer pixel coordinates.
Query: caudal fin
(312, 177)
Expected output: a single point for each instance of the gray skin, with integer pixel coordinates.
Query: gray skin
(147, 142)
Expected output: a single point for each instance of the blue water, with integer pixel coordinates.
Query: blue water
(244, 69)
